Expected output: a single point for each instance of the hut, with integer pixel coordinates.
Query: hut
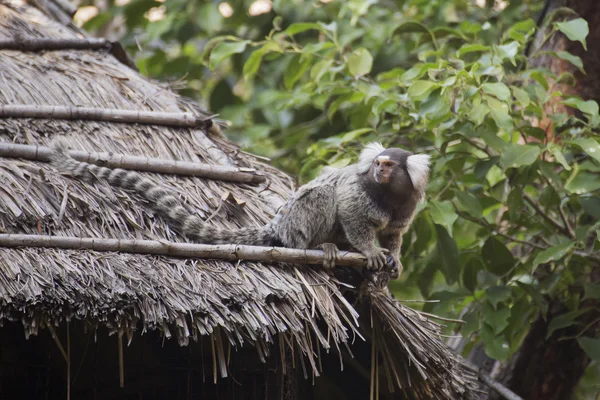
(99, 298)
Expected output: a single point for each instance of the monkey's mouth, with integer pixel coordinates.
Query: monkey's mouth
(381, 178)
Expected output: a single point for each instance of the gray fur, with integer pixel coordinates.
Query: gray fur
(342, 207)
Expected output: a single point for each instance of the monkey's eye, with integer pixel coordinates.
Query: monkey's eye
(377, 163)
(388, 164)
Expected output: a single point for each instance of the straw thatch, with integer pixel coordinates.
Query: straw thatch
(239, 302)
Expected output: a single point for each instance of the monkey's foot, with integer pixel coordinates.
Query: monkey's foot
(331, 255)
(393, 267)
(376, 259)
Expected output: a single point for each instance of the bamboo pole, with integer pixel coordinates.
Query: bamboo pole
(229, 252)
(178, 119)
(36, 44)
(158, 165)
(121, 365)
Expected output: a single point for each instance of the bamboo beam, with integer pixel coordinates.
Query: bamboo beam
(179, 119)
(229, 252)
(52, 44)
(157, 165)
(37, 44)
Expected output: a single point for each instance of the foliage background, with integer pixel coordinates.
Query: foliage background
(511, 222)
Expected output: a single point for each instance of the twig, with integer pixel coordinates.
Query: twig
(549, 219)
(230, 252)
(563, 217)
(456, 321)
(484, 149)
(106, 115)
(504, 235)
(488, 380)
(158, 165)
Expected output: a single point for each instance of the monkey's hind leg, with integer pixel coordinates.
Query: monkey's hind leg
(331, 255)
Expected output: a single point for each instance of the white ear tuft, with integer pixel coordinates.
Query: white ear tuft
(367, 156)
(418, 170)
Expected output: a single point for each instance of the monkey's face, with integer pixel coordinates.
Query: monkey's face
(386, 169)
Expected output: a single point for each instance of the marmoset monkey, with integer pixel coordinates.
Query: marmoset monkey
(348, 207)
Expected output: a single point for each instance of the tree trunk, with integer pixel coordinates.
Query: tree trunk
(547, 369)
(551, 368)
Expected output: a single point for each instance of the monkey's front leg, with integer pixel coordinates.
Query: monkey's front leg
(362, 238)
(391, 239)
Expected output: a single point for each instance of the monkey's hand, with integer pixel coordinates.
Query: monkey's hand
(393, 266)
(376, 258)
(331, 255)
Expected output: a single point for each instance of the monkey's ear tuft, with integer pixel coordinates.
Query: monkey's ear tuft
(367, 156)
(418, 170)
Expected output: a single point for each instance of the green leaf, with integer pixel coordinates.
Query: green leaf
(592, 291)
(497, 294)
(442, 213)
(470, 271)
(500, 90)
(590, 146)
(469, 203)
(494, 345)
(576, 30)
(565, 320)
(499, 111)
(591, 347)
(552, 254)
(521, 96)
(300, 27)
(319, 69)
(591, 205)
(514, 204)
(589, 107)
(496, 319)
(223, 50)
(516, 155)
(360, 62)
(477, 114)
(576, 61)
(420, 90)
(471, 48)
(447, 255)
(583, 182)
(559, 156)
(498, 259)
(296, 68)
(435, 106)
(508, 50)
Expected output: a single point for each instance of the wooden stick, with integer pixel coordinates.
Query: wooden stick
(58, 343)
(36, 44)
(230, 252)
(502, 390)
(121, 366)
(158, 165)
(68, 362)
(106, 115)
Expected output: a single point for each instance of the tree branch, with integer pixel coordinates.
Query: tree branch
(229, 252)
(178, 119)
(549, 219)
(158, 165)
(491, 382)
(485, 224)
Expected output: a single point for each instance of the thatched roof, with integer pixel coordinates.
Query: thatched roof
(243, 302)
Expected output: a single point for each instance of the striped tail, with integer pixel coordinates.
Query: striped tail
(160, 200)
